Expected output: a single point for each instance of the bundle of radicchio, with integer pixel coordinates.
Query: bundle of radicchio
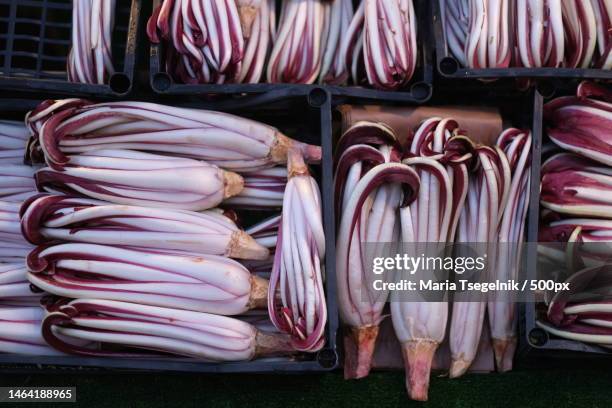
(478, 31)
(71, 126)
(581, 124)
(440, 153)
(90, 60)
(296, 299)
(130, 330)
(516, 144)
(47, 218)
(382, 41)
(488, 191)
(204, 38)
(368, 193)
(166, 278)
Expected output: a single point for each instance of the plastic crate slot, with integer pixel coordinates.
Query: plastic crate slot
(29, 12)
(5, 13)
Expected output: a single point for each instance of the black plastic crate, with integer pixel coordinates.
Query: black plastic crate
(35, 38)
(535, 339)
(312, 126)
(449, 67)
(419, 90)
(518, 109)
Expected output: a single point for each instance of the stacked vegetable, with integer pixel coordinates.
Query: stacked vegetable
(502, 313)
(20, 313)
(13, 136)
(577, 213)
(437, 188)
(21, 331)
(131, 253)
(16, 182)
(528, 33)
(325, 41)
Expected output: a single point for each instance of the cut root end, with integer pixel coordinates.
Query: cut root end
(234, 184)
(243, 246)
(418, 356)
(259, 293)
(359, 345)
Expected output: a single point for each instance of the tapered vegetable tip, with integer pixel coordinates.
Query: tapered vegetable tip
(244, 246)
(234, 183)
(259, 293)
(359, 345)
(458, 368)
(504, 353)
(418, 356)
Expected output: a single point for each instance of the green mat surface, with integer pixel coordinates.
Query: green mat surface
(522, 388)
